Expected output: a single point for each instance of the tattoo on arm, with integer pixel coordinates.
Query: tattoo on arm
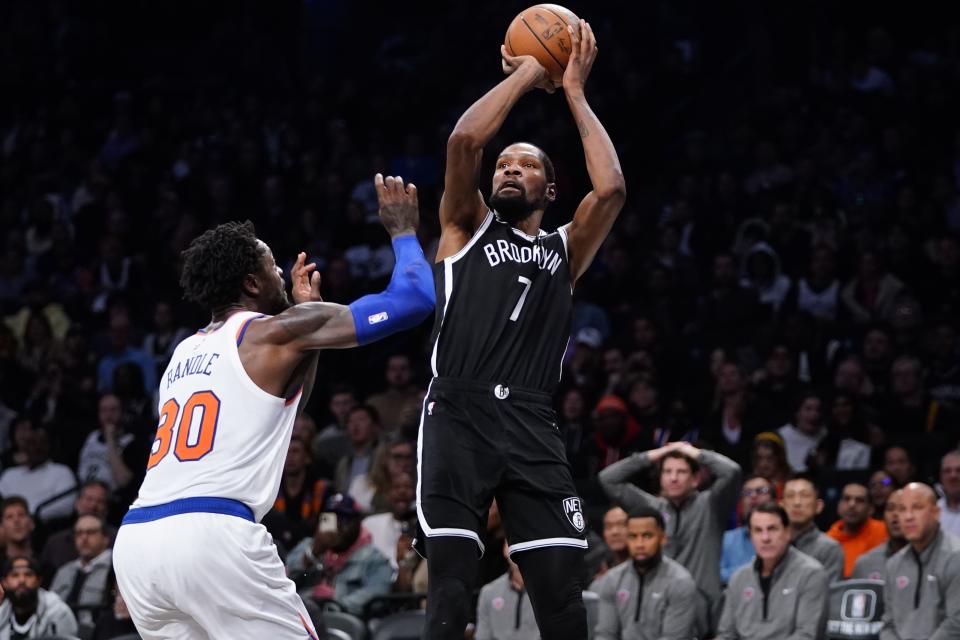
(582, 126)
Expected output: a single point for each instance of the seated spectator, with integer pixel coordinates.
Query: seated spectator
(856, 530)
(695, 519)
(16, 530)
(120, 351)
(166, 335)
(880, 486)
(818, 293)
(737, 546)
(614, 539)
(898, 465)
(395, 457)
(616, 435)
(652, 596)
(782, 594)
(29, 611)
(802, 502)
(732, 425)
(922, 585)
(391, 403)
(872, 564)
(48, 487)
(846, 446)
(871, 294)
(115, 621)
(331, 443)
(760, 272)
(950, 486)
(84, 581)
(504, 611)
(110, 454)
(769, 460)
(806, 431)
(340, 562)
(60, 548)
(301, 495)
(20, 431)
(574, 424)
(386, 529)
(363, 429)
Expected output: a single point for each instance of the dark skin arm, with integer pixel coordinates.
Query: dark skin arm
(462, 207)
(279, 353)
(599, 209)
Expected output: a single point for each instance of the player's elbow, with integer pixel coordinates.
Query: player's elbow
(463, 141)
(420, 293)
(612, 191)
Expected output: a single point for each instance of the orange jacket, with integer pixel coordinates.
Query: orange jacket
(873, 533)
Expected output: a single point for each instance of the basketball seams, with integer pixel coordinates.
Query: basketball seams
(545, 47)
(559, 17)
(509, 44)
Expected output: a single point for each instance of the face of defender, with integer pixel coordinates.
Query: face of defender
(274, 289)
(520, 178)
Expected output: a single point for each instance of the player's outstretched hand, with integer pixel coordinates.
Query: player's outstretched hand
(512, 63)
(399, 211)
(306, 281)
(584, 52)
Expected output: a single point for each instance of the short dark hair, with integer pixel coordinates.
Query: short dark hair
(216, 263)
(367, 409)
(12, 501)
(806, 477)
(772, 508)
(644, 511)
(694, 465)
(93, 482)
(32, 564)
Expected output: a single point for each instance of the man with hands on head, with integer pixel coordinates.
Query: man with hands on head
(695, 520)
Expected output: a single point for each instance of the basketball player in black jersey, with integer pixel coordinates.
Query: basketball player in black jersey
(504, 301)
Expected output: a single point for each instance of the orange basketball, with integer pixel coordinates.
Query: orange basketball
(541, 32)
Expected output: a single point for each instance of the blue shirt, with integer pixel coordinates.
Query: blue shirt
(737, 551)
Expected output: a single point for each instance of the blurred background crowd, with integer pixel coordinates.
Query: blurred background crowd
(782, 287)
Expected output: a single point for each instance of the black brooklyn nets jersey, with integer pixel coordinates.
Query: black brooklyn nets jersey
(504, 304)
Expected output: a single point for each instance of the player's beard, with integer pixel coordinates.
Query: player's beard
(24, 599)
(649, 563)
(512, 208)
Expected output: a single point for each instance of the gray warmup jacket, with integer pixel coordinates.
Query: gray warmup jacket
(794, 607)
(823, 549)
(661, 605)
(695, 529)
(921, 595)
(53, 618)
(503, 613)
(872, 564)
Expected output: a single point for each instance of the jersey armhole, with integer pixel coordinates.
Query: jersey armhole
(473, 240)
(563, 237)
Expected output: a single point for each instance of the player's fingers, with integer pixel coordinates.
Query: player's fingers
(398, 186)
(378, 181)
(298, 263)
(315, 282)
(574, 37)
(593, 37)
(412, 192)
(388, 186)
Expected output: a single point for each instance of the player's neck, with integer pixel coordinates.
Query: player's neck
(219, 316)
(531, 224)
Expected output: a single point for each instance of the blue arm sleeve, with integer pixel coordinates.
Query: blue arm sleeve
(407, 300)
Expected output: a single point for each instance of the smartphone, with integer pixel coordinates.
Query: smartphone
(328, 522)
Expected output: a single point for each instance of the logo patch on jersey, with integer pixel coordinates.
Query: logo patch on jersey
(498, 603)
(377, 318)
(875, 575)
(430, 408)
(748, 593)
(623, 595)
(502, 392)
(902, 582)
(571, 507)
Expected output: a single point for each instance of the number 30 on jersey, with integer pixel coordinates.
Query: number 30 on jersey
(198, 417)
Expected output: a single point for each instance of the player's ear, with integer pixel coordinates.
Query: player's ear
(251, 285)
(551, 191)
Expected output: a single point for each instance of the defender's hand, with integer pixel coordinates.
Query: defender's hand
(399, 210)
(306, 281)
(581, 60)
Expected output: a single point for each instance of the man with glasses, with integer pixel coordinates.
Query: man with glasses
(84, 581)
(737, 546)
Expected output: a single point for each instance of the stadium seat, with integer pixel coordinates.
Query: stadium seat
(591, 602)
(345, 622)
(855, 610)
(406, 625)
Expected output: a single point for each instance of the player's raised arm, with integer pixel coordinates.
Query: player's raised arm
(599, 209)
(462, 207)
(407, 300)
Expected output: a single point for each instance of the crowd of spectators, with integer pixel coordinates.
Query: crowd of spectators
(773, 319)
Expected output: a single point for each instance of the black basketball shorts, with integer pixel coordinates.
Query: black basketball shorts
(480, 441)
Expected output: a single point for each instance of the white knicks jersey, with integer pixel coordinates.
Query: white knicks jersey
(219, 435)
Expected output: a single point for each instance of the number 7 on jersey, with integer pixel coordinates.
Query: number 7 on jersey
(526, 282)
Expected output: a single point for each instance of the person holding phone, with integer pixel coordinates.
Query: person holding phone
(340, 561)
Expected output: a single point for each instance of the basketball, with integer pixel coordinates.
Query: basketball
(541, 31)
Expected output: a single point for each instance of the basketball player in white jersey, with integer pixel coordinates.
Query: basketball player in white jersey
(191, 558)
